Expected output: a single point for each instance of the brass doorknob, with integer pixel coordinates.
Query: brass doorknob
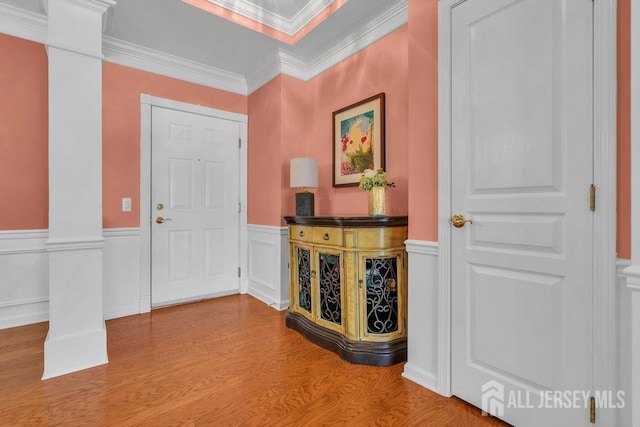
(458, 221)
(160, 220)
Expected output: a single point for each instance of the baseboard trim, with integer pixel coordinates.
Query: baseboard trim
(421, 377)
(71, 353)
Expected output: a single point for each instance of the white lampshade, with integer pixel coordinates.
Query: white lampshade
(304, 173)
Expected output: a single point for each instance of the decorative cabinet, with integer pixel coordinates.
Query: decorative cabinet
(348, 279)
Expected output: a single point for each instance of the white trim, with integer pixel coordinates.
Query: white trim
(420, 376)
(98, 6)
(421, 247)
(10, 241)
(393, 18)
(33, 26)
(605, 219)
(32, 310)
(288, 26)
(191, 108)
(282, 62)
(605, 88)
(268, 229)
(121, 232)
(23, 24)
(74, 352)
(73, 49)
(268, 273)
(632, 274)
(153, 61)
(74, 244)
(444, 196)
(146, 103)
(422, 323)
(28, 301)
(288, 63)
(24, 234)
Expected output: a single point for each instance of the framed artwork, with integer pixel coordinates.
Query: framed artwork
(358, 140)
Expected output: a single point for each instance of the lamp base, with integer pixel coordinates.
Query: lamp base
(304, 204)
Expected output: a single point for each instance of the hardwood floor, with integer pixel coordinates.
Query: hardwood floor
(229, 361)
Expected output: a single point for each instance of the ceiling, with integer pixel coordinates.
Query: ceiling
(181, 30)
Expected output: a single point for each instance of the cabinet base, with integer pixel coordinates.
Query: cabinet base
(360, 352)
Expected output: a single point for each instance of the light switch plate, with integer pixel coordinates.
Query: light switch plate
(126, 204)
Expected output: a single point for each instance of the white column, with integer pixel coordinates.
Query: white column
(77, 335)
(633, 272)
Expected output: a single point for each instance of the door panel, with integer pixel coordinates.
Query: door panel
(195, 187)
(522, 164)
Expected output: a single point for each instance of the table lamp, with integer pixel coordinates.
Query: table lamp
(304, 174)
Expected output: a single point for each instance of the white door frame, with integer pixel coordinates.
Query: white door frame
(605, 146)
(146, 102)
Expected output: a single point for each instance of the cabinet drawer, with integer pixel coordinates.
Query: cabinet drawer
(327, 236)
(301, 233)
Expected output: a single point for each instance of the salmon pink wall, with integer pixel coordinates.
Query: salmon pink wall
(24, 128)
(264, 178)
(122, 87)
(624, 129)
(423, 120)
(287, 118)
(306, 126)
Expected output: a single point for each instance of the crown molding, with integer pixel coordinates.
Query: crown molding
(96, 6)
(266, 17)
(135, 56)
(396, 15)
(33, 26)
(281, 62)
(23, 24)
(284, 62)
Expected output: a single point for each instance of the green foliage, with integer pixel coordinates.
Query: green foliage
(372, 178)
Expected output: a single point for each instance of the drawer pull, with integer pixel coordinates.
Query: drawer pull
(301, 233)
(326, 236)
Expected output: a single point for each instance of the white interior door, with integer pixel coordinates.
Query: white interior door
(522, 139)
(195, 192)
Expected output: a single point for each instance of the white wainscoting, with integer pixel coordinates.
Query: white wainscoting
(121, 267)
(268, 265)
(422, 340)
(24, 277)
(624, 341)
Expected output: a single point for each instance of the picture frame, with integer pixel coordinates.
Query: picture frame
(358, 140)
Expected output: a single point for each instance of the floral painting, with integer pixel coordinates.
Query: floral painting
(358, 140)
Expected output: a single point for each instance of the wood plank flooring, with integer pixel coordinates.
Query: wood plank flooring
(224, 362)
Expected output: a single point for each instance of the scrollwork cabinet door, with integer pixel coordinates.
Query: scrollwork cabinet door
(302, 295)
(329, 277)
(382, 291)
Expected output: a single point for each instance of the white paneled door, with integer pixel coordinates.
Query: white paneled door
(522, 152)
(194, 206)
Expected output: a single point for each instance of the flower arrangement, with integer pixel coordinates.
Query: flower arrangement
(374, 178)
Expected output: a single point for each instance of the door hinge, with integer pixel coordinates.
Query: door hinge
(239, 271)
(592, 198)
(592, 410)
(239, 142)
(239, 207)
